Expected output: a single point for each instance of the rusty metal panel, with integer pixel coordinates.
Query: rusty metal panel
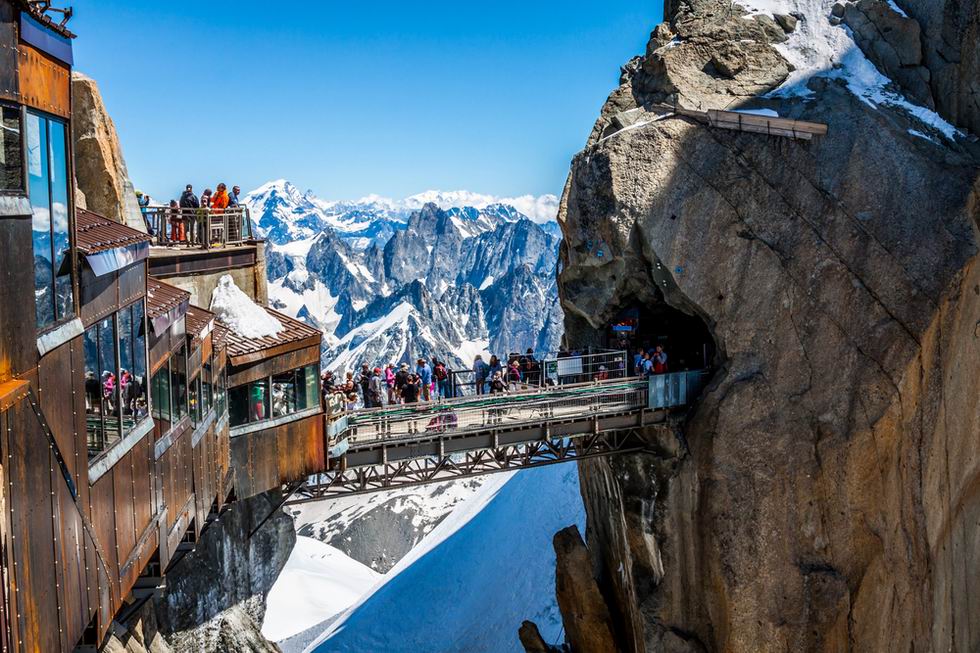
(132, 283)
(300, 449)
(29, 464)
(99, 296)
(144, 510)
(103, 519)
(9, 86)
(44, 82)
(55, 384)
(70, 549)
(9, 631)
(18, 353)
(125, 523)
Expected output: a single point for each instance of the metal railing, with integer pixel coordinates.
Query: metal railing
(198, 228)
(495, 411)
(549, 369)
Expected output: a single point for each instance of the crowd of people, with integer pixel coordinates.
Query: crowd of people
(187, 218)
(647, 362)
(428, 380)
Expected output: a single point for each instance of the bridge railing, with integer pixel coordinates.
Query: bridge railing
(552, 369)
(201, 228)
(494, 411)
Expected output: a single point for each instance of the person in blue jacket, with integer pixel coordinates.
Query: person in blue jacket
(424, 373)
(480, 373)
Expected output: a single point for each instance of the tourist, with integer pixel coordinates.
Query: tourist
(188, 200)
(530, 368)
(206, 198)
(480, 373)
(514, 375)
(219, 202)
(364, 383)
(494, 368)
(390, 382)
(424, 373)
(647, 364)
(659, 360)
(411, 389)
(497, 385)
(376, 388)
(233, 201)
(177, 232)
(401, 378)
(602, 374)
(638, 362)
(441, 374)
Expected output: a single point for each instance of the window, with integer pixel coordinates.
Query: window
(47, 168)
(115, 377)
(101, 387)
(207, 387)
(132, 365)
(291, 392)
(178, 383)
(249, 403)
(221, 391)
(194, 399)
(161, 399)
(11, 156)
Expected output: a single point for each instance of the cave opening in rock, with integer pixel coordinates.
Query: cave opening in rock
(685, 338)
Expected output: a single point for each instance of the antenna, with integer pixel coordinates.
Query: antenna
(44, 7)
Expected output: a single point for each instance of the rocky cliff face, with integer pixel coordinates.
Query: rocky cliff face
(214, 601)
(100, 170)
(825, 492)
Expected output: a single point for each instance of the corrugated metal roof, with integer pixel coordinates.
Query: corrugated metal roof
(199, 322)
(293, 336)
(220, 335)
(162, 298)
(95, 233)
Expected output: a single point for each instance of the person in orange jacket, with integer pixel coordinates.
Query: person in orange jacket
(219, 201)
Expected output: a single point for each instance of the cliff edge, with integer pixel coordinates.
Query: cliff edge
(824, 494)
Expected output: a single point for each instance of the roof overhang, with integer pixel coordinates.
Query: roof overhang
(117, 258)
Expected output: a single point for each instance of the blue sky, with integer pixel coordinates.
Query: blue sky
(354, 98)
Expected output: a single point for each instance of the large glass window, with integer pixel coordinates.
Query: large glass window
(207, 387)
(178, 383)
(11, 155)
(277, 396)
(47, 168)
(161, 398)
(101, 386)
(248, 403)
(132, 365)
(194, 399)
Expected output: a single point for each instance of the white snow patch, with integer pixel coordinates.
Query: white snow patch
(898, 10)
(240, 313)
(358, 304)
(317, 583)
(487, 282)
(758, 112)
(468, 350)
(818, 48)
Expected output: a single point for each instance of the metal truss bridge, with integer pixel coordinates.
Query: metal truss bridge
(384, 448)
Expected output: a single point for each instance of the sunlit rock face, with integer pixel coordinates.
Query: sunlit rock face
(825, 494)
(100, 169)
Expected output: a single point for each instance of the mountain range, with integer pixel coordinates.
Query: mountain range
(438, 274)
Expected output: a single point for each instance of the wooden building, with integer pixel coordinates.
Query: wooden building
(116, 441)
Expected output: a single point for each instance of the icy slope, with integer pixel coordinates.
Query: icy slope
(470, 583)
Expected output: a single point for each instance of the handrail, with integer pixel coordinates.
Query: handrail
(202, 228)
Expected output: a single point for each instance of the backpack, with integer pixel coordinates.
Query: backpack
(440, 372)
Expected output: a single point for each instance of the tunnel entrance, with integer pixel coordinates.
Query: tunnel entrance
(685, 338)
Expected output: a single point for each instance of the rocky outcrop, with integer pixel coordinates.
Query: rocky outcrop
(951, 52)
(214, 600)
(100, 170)
(893, 41)
(585, 615)
(825, 492)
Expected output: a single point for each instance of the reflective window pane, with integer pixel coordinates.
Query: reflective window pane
(37, 170)
(139, 406)
(238, 405)
(312, 383)
(194, 398)
(94, 400)
(284, 393)
(126, 387)
(161, 399)
(109, 379)
(258, 400)
(178, 383)
(11, 156)
(59, 220)
(207, 387)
